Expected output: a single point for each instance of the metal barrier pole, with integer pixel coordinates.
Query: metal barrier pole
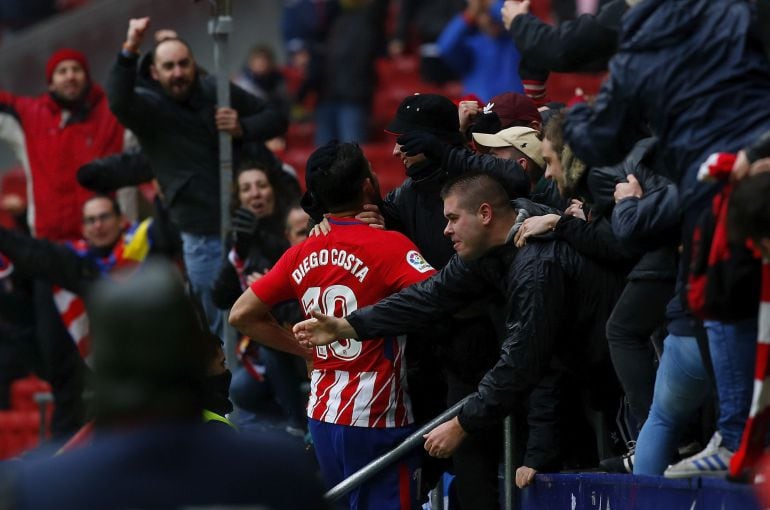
(508, 476)
(220, 28)
(365, 473)
(42, 399)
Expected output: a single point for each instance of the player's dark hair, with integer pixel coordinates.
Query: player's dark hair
(338, 186)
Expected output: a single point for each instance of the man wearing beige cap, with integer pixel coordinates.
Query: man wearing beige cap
(519, 144)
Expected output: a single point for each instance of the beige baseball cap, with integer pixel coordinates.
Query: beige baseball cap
(523, 138)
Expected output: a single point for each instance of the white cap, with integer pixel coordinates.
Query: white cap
(522, 138)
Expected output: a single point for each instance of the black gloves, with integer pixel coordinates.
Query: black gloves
(422, 142)
(244, 229)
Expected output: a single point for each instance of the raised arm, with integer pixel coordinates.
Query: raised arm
(131, 109)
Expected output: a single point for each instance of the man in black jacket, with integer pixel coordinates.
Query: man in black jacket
(552, 297)
(174, 114)
(415, 210)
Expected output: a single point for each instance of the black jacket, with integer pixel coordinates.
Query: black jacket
(416, 210)
(557, 303)
(181, 140)
(650, 223)
(515, 180)
(760, 148)
(582, 45)
(262, 252)
(106, 175)
(55, 263)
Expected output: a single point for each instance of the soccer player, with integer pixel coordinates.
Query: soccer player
(359, 406)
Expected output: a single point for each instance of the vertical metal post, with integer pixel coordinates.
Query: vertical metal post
(220, 28)
(42, 399)
(508, 456)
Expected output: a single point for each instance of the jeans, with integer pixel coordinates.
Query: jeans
(733, 350)
(202, 259)
(681, 386)
(346, 122)
(639, 311)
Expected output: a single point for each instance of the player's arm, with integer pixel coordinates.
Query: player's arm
(251, 316)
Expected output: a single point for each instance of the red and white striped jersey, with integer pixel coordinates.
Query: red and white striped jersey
(358, 383)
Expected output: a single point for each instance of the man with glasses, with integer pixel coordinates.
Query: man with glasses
(72, 268)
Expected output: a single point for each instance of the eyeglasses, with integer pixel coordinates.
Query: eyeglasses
(90, 220)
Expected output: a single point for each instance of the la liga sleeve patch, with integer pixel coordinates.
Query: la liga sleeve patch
(414, 259)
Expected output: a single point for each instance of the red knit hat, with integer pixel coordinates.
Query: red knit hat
(62, 55)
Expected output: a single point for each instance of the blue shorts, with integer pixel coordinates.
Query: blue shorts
(342, 450)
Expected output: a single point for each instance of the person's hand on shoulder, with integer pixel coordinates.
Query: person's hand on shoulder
(371, 216)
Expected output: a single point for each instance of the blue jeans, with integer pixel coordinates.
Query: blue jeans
(681, 386)
(202, 259)
(346, 122)
(733, 350)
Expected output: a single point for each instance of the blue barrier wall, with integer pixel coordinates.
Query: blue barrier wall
(625, 492)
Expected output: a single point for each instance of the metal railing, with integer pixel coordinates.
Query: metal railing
(413, 441)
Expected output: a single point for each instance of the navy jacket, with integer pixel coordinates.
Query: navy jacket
(689, 70)
(174, 465)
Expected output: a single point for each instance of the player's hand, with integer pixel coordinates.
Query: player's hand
(227, 120)
(372, 216)
(320, 330)
(525, 476)
(137, 27)
(442, 441)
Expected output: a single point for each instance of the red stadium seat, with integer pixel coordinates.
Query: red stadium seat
(23, 393)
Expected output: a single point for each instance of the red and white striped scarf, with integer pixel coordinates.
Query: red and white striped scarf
(72, 310)
(130, 250)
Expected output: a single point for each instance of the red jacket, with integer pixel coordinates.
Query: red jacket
(51, 155)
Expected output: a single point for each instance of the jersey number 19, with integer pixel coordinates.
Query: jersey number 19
(336, 301)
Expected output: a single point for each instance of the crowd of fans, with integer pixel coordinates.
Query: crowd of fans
(598, 270)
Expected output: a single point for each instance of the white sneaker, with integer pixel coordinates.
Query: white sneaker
(714, 460)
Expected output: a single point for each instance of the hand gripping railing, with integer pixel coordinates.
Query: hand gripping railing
(415, 439)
